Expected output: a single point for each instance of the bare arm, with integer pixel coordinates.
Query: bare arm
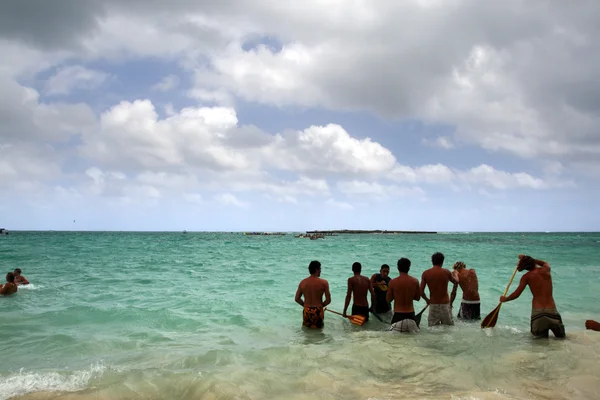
(298, 298)
(541, 263)
(417, 292)
(348, 297)
(327, 295)
(453, 294)
(517, 292)
(389, 296)
(372, 297)
(453, 277)
(423, 295)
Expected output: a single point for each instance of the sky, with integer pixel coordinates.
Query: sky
(262, 115)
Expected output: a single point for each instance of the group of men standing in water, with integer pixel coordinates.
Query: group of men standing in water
(405, 289)
(13, 279)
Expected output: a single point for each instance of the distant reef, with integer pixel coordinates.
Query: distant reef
(373, 232)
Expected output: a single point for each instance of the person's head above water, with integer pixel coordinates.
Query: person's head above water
(314, 267)
(404, 265)
(458, 266)
(437, 259)
(10, 277)
(384, 271)
(17, 272)
(356, 268)
(526, 263)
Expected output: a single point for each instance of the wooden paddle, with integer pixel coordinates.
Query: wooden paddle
(418, 316)
(492, 318)
(355, 319)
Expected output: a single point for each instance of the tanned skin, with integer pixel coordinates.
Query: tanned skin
(539, 281)
(437, 278)
(403, 290)
(358, 287)
(313, 288)
(468, 283)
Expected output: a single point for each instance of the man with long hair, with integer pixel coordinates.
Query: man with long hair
(544, 317)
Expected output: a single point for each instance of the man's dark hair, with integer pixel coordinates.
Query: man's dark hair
(526, 262)
(356, 267)
(403, 265)
(384, 266)
(314, 266)
(437, 259)
(18, 270)
(10, 277)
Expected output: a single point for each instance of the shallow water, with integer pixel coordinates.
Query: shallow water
(212, 316)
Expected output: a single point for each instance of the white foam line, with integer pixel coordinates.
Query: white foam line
(28, 382)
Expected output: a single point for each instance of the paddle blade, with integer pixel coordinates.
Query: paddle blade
(418, 316)
(357, 319)
(492, 318)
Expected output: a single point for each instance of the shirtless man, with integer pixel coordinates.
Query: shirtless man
(380, 284)
(437, 278)
(20, 279)
(9, 287)
(544, 317)
(403, 290)
(469, 307)
(313, 288)
(358, 287)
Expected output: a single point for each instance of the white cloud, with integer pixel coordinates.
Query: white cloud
(432, 173)
(378, 191)
(166, 84)
(339, 204)
(230, 200)
(489, 176)
(528, 87)
(24, 118)
(481, 176)
(442, 142)
(193, 198)
(131, 135)
(328, 149)
(75, 77)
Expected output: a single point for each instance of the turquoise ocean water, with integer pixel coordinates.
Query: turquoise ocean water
(118, 315)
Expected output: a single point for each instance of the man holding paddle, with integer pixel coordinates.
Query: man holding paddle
(313, 288)
(544, 317)
(358, 287)
(403, 290)
(437, 278)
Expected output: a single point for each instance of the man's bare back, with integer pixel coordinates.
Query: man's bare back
(360, 286)
(313, 289)
(403, 290)
(544, 315)
(468, 283)
(539, 281)
(437, 278)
